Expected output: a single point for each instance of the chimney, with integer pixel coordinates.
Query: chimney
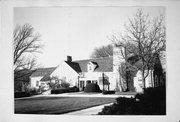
(69, 58)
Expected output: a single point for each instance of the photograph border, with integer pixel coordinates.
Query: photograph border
(173, 60)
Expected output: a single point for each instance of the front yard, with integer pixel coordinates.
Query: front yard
(57, 105)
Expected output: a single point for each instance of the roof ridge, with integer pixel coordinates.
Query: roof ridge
(46, 68)
(92, 58)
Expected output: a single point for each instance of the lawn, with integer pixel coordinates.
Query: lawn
(57, 105)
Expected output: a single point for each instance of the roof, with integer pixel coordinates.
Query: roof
(46, 78)
(43, 71)
(74, 65)
(104, 64)
(160, 59)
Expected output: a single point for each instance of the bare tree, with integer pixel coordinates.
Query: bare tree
(144, 38)
(25, 42)
(103, 51)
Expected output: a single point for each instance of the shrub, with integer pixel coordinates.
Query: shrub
(121, 107)
(65, 90)
(108, 92)
(21, 94)
(59, 91)
(34, 91)
(91, 87)
(65, 84)
(152, 102)
(73, 89)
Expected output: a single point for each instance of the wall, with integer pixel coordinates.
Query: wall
(138, 84)
(33, 81)
(64, 71)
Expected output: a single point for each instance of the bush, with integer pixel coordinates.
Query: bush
(121, 107)
(152, 102)
(65, 84)
(34, 91)
(108, 92)
(59, 91)
(73, 89)
(21, 94)
(65, 90)
(91, 87)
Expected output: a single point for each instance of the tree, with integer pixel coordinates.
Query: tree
(103, 51)
(57, 82)
(144, 38)
(25, 44)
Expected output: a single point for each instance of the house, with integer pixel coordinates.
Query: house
(103, 71)
(156, 74)
(40, 77)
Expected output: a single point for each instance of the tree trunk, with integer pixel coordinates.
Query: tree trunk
(143, 80)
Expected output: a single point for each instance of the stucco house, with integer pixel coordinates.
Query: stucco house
(103, 71)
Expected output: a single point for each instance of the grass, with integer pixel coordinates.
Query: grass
(57, 105)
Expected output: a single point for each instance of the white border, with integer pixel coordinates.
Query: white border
(6, 66)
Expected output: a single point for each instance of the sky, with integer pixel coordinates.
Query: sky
(75, 31)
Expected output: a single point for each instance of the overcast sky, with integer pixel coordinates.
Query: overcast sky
(75, 31)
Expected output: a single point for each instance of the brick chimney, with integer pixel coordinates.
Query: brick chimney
(69, 58)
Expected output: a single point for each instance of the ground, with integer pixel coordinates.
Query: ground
(57, 105)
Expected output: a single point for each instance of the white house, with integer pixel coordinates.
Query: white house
(103, 71)
(40, 77)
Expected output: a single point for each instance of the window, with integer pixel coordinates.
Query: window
(89, 67)
(37, 83)
(94, 81)
(81, 83)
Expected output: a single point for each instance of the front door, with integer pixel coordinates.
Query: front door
(81, 85)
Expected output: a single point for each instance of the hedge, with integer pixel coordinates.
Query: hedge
(21, 94)
(64, 90)
(108, 92)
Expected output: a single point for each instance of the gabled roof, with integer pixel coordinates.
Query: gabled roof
(43, 71)
(74, 66)
(104, 64)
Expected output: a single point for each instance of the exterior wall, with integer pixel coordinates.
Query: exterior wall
(33, 81)
(138, 83)
(112, 82)
(65, 72)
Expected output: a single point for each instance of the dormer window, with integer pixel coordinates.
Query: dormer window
(91, 67)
